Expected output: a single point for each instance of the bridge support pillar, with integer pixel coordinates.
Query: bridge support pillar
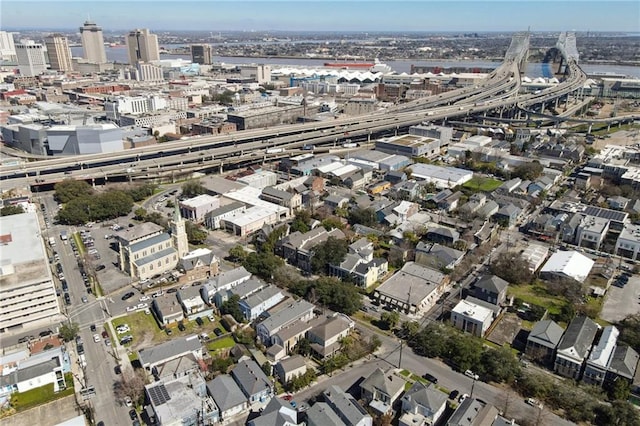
(590, 127)
(221, 167)
(93, 182)
(556, 104)
(608, 127)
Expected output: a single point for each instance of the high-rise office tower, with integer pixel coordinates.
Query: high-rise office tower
(142, 46)
(93, 43)
(59, 52)
(202, 54)
(31, 58)
(7, 47)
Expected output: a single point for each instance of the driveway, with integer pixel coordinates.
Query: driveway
(622, 302)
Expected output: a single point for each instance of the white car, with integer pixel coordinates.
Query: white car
(533, 402)
(142, 306)
(122, 330)
(144, 281)
(96, 338)
(471, 374)
(144, 298)
(128, 402)
(131, 308)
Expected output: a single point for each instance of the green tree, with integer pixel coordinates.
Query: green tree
(366, 217)
(110, 205)
(618, 390)
(69, 331)
(140, 192)
(301, 221)
(332, 223)
(231, 306)
(195, 233)
(511, 267)
(140, 214)
(303, 347)
(266, 368)
(332, 251)
(499, 365)
(262, 264)
(410, 328)
(528, 171)
(389, 319)
(192, 188)
(237, 253)
(11, 209)
(630, 331)
(464, 351)
(74, 212)
(70, 189)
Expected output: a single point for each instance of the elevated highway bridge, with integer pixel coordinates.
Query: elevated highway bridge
(499, 91)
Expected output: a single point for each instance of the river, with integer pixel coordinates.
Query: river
(534, 69)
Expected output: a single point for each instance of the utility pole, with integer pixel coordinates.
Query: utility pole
(402, 341)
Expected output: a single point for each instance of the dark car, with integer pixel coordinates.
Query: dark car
(133, 415)
(67, 299)
(199, 321)
(168, 331)
(100, 267)
(105, 334)
(46, 333)
(65, 286)
(218, 332)
(117, 369)
(172, 290)
(181, 326)
(127, 296)
(454, 394)
(430, 377)
(93, 328)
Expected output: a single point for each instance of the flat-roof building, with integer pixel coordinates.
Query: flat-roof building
(409, 145)
(441, 177)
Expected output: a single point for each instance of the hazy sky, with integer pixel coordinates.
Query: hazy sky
(318, 15)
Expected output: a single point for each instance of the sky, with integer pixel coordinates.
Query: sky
(326, 15)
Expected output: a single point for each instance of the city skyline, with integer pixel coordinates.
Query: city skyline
(318, 15)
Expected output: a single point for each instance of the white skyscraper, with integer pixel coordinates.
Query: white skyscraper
(7, 47)
(93, 43)
(58, 52)
(31, 58)
(142, 46)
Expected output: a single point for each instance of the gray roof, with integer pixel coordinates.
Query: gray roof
(236, 205)
(624, 362)
(250, 378)
(286, 315)
(155, 256)
(492, 284)
(277, 413)
(578, 337)
(427, 396)
(137, 232)
(345, 405)
(277, 193)
(189, 293)
(320, 414)
(387, 382)
(156, 239)
(261, 296)
(292, 363)
(225, 392)
(37, 370)
(546, 333)
(225, 278)
(247, 288)
(169, 350)
(190, 263)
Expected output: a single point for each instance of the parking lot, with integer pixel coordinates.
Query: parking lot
(622, 302)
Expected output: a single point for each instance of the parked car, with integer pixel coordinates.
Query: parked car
(105, 334)
(45, 333)
(218, 332)
(471, 374)
(199, 321)
(84, 299)
(172, 290)
(117, 369)
(430, 377)
(100, 267)
(533, 402)
(128, 295)
(144, 298)
(96, 338)
(454, 394)
(181, 327)
(133, 415)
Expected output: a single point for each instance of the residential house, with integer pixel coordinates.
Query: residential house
(297, 248)
(181, 401)
(422, 405)
(583, 181)
(253, 306)
(290, 367)
(25, 370)
(300, 310)
(623, 365)
(287, 338)
(592, 231)
(346, 407)
(601, 353)
(336, 201)
(359, 265)
(252, 381)
(170, 350)
(474, 203)
(228, 396)
(395, 176)
(381, 389)
(197, 265)
(278, 412)
(569, 227)
(405, 210)
(357, 181)
(242, 290)
(167, 309)
(451, 202)
(474, 412)
(472, 318)
(446, 236)
(321, 414)
(407, 190)
(628, 243)
(618, 202)
(543, 341)
(574, 347)
(508, 214)
(325, 337)
(414, 288)
(222, 282)
(492, 289)
(488, 209)
(290, 200)
(509, 186)
(436, 256)
(191, 300)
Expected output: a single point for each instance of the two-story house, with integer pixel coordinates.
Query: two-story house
(255, 385)
(325, 337)
(381, 389)
(289, 368)
(543, 341)
(297, 248)
(491, 289)
(346, 407)
(228, 396)
(422, 405)
(574, 347)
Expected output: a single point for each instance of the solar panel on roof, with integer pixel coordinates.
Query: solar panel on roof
(159, 395)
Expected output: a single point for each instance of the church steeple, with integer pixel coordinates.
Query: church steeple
(178, 231)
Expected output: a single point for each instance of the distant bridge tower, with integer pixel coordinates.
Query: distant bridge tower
(518, 50)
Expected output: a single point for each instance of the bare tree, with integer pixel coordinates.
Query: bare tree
(505, 402)
(131, 385)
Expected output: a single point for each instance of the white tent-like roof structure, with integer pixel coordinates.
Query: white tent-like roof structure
(569, 264)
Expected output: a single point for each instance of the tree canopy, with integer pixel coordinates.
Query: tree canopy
(366, 217)
(231, 306)
(195, 233)
(332, 251)
(192, 188)
(511, 267)
(330, 292)
(262, 264)
(528, 171)
(11, 210)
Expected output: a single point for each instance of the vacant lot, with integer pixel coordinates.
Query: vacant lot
(482, 184)
(536, 294)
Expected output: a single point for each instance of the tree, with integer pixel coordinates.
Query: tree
(132, 386)
(331, 252)
(140, 192)
(11, 210)
(390, 319)
(195, 233)
(410, 328)
(70, 189)
(511, 267)
(332, 223)
(69, 331)
(366, 217)
(303, 347)
(301, 221)
(192, 188)
(237, 253)
(618, 389)
(140, 214)
(528, 171)
(499, 365)
(262, 264)
(266, 368)
(231, 306)
(630, 331)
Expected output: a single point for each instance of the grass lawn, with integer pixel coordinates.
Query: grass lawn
(24, 400)
(79, 244)
(536, 294)
(482, 184)
(225, 342)
(143, 327)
